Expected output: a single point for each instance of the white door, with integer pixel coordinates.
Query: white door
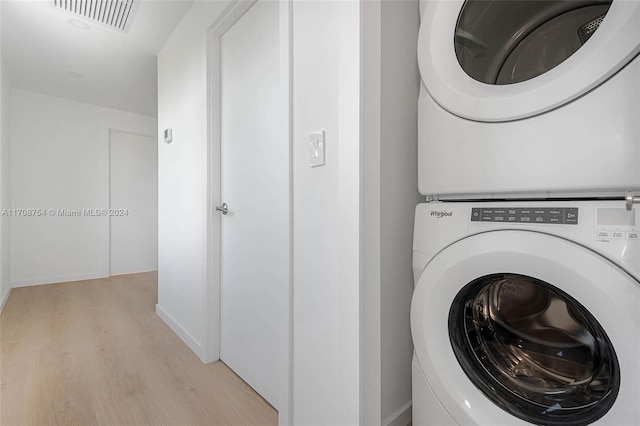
(133, 199)
(255, 186)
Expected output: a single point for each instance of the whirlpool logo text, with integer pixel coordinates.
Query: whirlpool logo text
(441, 214)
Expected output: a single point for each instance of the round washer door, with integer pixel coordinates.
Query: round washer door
(484, 91)
(586, 341)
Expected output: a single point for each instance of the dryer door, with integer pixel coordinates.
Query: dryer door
(501, 60)
(512, 325)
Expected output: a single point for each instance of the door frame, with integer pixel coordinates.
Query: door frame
(107, 227)
(211, 302)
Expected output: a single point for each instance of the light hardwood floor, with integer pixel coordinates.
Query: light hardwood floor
(95, 353)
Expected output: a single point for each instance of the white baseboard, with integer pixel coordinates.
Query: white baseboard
(183, 334)
(134, 272)
(402, 417)
(58, 279)
(5, 297)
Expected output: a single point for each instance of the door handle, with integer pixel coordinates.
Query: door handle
(224, 209)
(631, 200)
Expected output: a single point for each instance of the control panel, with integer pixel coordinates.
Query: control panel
(541, 215)
(616, 224)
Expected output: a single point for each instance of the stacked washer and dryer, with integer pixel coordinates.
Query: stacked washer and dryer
(527, 253)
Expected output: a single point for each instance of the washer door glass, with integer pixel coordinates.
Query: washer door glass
(505, 42)
(534, 350)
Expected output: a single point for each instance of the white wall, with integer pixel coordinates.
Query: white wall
(390, 80)
(60, 160)
(371, 174)
(326, 95)
(5, 181)
(182, 175)
(399, 196)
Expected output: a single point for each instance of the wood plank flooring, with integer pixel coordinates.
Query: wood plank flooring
(95, 353)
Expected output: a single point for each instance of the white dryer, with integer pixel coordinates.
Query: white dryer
(529, 98)
(526, 312)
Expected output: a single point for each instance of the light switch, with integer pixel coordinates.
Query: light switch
(316, 149)
(168, 135)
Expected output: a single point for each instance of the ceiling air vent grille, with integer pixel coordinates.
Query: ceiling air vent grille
(116, 14)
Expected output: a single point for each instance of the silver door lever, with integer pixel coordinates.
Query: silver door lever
(224, 209)
(631, 200)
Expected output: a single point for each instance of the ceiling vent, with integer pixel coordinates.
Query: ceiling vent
(116, 14)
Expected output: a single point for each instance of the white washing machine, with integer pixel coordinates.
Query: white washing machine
(526, 312)
(529, 98)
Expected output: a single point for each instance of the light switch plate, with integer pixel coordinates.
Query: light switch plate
(316, 149)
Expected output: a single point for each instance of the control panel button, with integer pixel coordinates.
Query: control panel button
(618, 235)
(603, 234)
(633, 235)
(571, 215)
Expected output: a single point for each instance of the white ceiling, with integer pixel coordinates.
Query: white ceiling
(43, 52)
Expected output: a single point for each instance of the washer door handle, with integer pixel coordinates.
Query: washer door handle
(631, 200)
(224, 209)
